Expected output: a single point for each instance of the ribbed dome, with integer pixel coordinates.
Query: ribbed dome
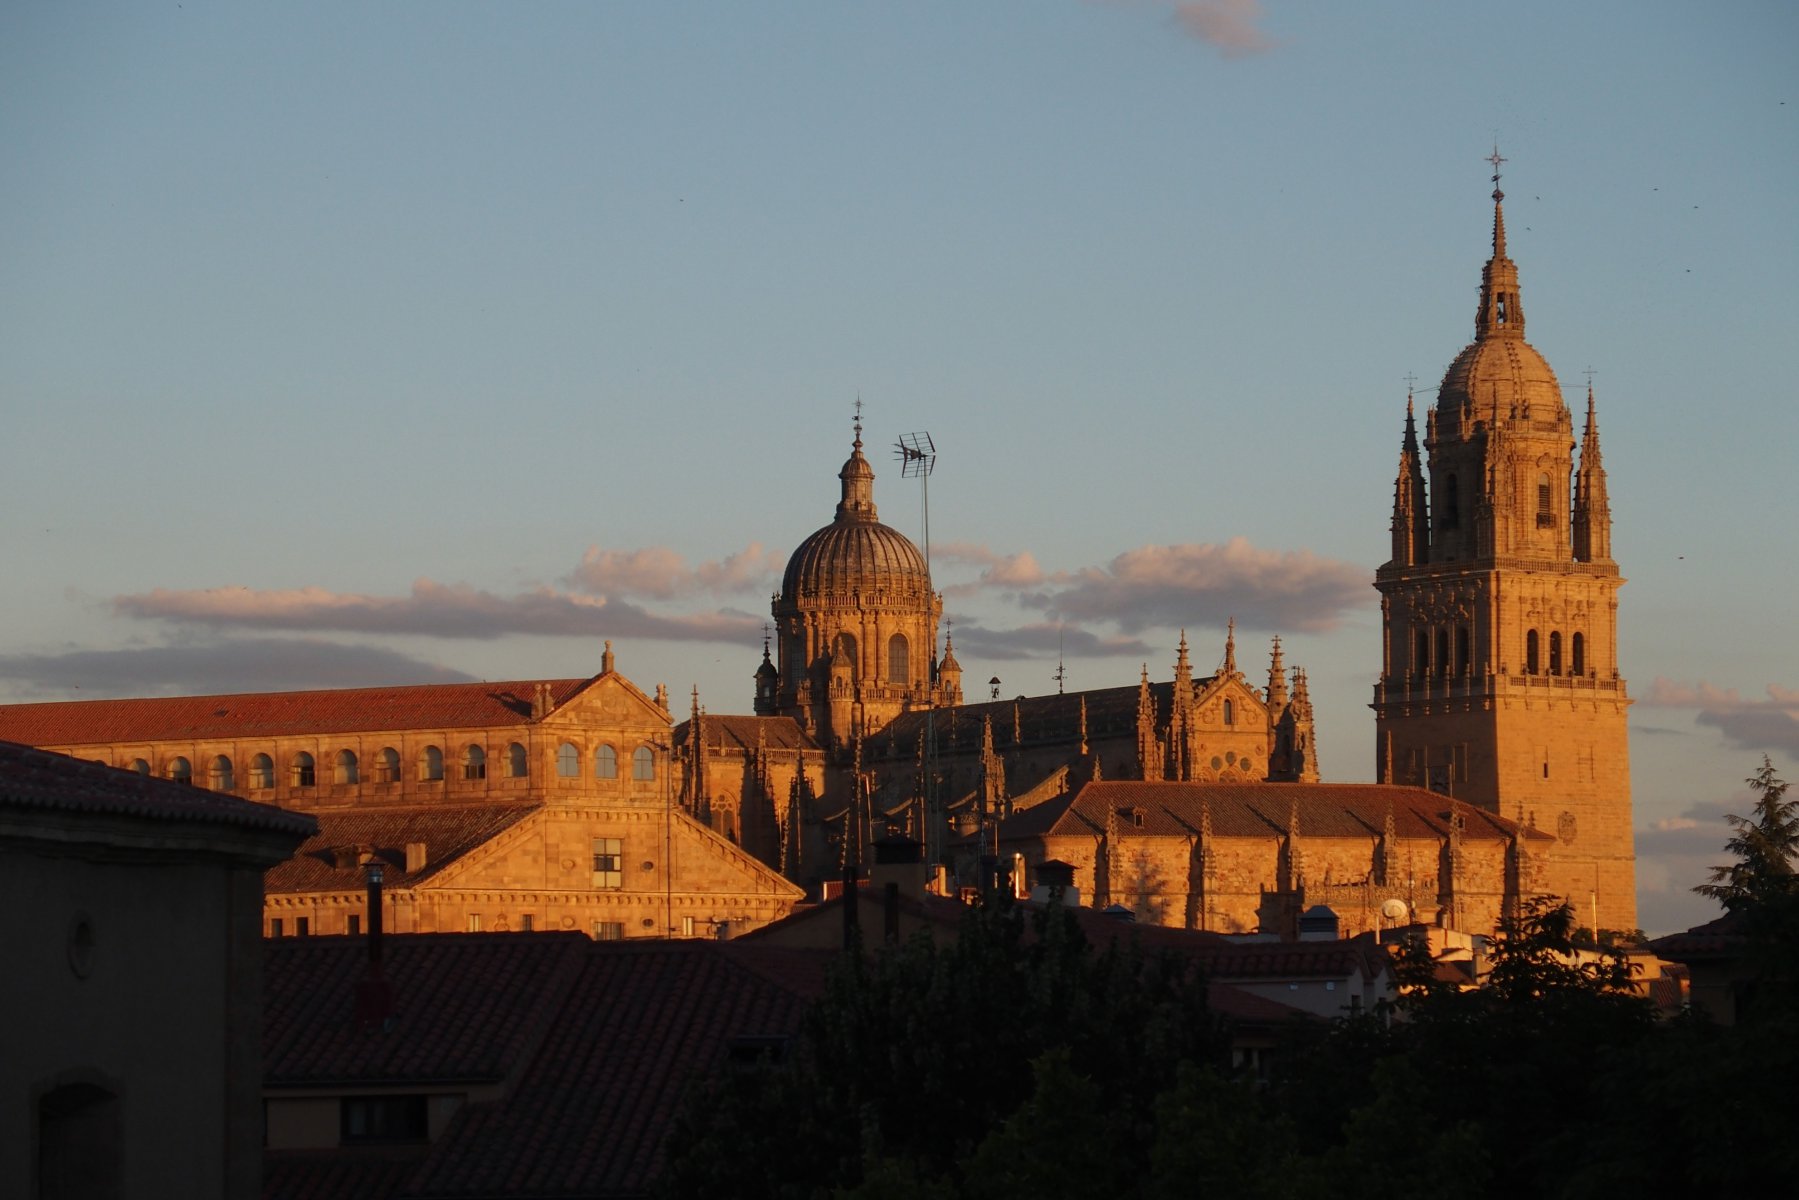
(855, 552)
(1506, 370)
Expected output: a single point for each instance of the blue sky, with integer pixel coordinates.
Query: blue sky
(347, 344)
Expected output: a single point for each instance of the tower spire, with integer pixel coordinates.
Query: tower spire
(1230, 646)
(1592, 506)
(1411, 514)
(858, 503)
(1500, 315)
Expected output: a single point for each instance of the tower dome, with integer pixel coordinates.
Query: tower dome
(855, 552)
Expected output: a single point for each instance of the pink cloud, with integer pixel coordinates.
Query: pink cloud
(1768, 725)
(1229, 26)
(663, 574)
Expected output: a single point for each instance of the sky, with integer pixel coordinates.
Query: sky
(348, 344)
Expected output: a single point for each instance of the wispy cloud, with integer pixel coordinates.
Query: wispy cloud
(224, 665)
(1769, 725)
(432, 609)
(1169, 586)
(1042, 641)
(998, 571)
(1229, 26)
(661, 573)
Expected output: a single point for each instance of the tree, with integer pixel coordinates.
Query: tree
(1765, 845)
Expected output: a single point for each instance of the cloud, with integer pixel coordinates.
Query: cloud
(1170, 586)
(1229, 26)
(1041, 641)
(1770, 725)
(432, 609)
(227, 665)
(662, 574)
(998, 571)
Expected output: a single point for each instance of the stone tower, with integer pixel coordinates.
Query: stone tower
(855, 623)
(1500, 683)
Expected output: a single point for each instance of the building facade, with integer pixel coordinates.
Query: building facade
(1500, 682)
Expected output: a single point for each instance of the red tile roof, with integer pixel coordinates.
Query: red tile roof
(1259, 810)
(277, 714)
(42, 780)
(448, 832)
(735, 733)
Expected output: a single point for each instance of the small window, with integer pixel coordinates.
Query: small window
(474, 763)
(527, 922)
(302, 926)
(353, 924)
(608, 931)
(305, 771)
(643, 763)
(518, 764)
(367, 1119)
(431, 764)
(608, 862)
(568, 761)
(605, 763)
(345, 770)
(1530, 653)
(1230, 713)
(1555, 653)
(277, 927)
(262, 771)
(899, 660)
(180, 770)
(1579, 666)
(220, 777)
(387, 769)
(140, 766)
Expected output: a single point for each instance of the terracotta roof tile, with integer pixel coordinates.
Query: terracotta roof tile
(277, 714)
(739, 733)
(41, 779)
(447, 832)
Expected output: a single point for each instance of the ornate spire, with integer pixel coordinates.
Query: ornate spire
(1592, 506)
(1277, 680)
(1183, 670)
(1501, 314)
(858, 503)
(1230, 646)
(1411, 515)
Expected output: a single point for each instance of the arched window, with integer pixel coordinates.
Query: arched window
(474, 762)
(605, 763)
(517, 764)
(1463, 659)
(180, 770)
(643, 763)
(1421, 657)
(1452, 503)
(221, 778)
(1530, 653)
(305, 770)
(1230, 713)
(345, 770)
(1442, 659)
(568, 761)
(431, 764)
(1545, 513)
(899, 659)
(1555, 653)
(140, 766)
(389, 769)
(262, 771)
(1579, 650)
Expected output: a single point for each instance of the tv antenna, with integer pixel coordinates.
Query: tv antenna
(918, 458)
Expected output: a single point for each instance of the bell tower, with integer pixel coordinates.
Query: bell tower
(1500, 682)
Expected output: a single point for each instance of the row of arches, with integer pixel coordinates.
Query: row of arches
(899, 657)
(605, 762)
(303, 769)
(1443, 651)
(1536, 662)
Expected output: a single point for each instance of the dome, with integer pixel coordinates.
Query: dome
(1507, 372)
(856, 552)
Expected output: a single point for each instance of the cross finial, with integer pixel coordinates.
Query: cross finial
(858, 418)
(1589, 373)
(1495, 158)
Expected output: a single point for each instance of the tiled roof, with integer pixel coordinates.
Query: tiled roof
(333, 1175)
(1244, 960)
(1111, 713)
(40, 779)
(1719, 938)
(1262, 810)
(448, 832)
(597, 1043)
(739, 733)
(277, 714)
(467, 1006)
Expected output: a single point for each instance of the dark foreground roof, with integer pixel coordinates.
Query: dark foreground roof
(446, 831)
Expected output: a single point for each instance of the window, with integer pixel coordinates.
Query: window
(431, 764)
(1230, 713)
(517, 764)
(1530, 653)
(608, 931)
(1462, 658)
(180, 770)
(262, 771)
(568, 761)
(608, 862)
(305, 770)
(302, 926)
(1442, 659)
(1421, 661)
(1545, 514)
(1555, 653)
(276, 927)
(643, 763)
(353, 924)
(605, 763)
(686, 926)
(383, 1119)
(220, 777)
(474, 763)
(1580, 655)
(345, 771)
(387, 766)
(140, 766)
(473, 925)
(526, 922)
(899, 659)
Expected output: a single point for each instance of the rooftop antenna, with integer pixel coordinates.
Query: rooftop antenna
(918, 458)
(1061, 663)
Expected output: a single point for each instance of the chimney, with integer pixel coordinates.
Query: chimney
(415, 857)
(900, 861)
(1055, 884)
(374, 997)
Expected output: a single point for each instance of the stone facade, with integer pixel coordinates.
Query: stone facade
(1500, 681)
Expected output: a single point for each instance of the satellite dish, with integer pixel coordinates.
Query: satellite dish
(1394, 910)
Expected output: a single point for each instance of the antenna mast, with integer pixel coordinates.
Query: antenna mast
(918, 458)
